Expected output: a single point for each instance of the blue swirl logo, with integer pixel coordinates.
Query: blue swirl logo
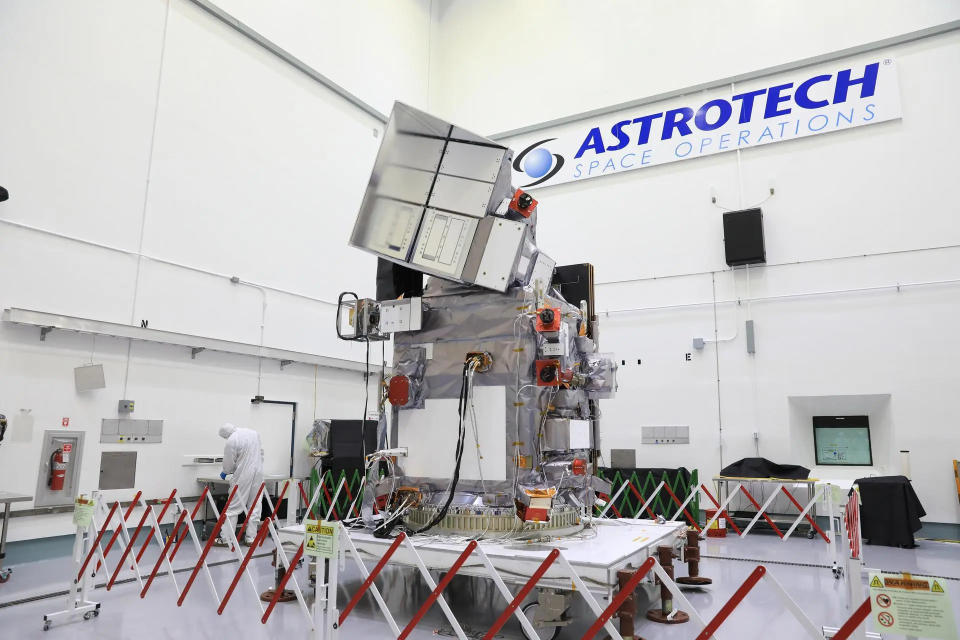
(538, 163)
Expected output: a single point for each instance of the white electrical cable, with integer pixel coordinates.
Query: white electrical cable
(473, 421)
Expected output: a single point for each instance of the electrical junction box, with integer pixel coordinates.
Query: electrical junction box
(125, 406)
(623, 458)
(665, 435)
(128, 431)
(401, 315)
(118, 470)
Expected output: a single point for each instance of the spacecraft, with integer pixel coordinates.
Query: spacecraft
(490, 420)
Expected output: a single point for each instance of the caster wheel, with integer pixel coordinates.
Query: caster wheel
(96, 614)
(811, 534)
(543, 633)
(88, 615)
(46, 626)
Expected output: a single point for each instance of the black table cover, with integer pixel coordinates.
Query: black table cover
(763, 468)
(890, 511)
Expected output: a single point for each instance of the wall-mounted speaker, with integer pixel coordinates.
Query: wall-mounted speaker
(743, 237)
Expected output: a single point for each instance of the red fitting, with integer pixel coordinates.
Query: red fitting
(399, 392)
(548, 320)
(548, 373)
(523, 203)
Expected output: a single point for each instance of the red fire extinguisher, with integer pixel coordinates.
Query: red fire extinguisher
(58, 471)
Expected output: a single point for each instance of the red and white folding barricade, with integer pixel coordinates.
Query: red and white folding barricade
(619, 545)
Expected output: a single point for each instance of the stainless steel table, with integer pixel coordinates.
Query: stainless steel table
(6, 497)
(215, 482)
(787, 515)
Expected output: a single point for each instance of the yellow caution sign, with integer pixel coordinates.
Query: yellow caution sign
(875, 583)
(936, 587)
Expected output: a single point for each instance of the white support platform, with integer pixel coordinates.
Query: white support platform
(596, 559)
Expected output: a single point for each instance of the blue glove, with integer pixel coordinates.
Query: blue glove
(223, 475)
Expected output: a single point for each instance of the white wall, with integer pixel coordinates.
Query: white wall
(376, 49)
(192, 397)
(548, 59)
(148, 125)
(860, 193)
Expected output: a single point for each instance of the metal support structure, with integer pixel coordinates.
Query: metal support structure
(666, 613)
(47, 322)
(206, 550)
(425, 573)
(326, 620)
(257, 38)
(293, 421)
(761, 511)
(289, 565)
(623, 604)
(78, 604)
(691, 555)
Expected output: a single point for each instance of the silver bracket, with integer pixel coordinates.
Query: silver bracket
(195, 350)
(43, 333)
(284, 363)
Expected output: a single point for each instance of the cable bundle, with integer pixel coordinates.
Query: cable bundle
(465, 383)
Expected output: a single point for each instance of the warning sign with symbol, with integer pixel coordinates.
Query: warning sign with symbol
(912, 605)
(320, 538)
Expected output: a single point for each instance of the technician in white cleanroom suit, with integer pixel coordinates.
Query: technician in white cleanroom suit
(243, 457)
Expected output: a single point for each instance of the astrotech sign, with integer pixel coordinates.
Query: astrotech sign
(844, 97)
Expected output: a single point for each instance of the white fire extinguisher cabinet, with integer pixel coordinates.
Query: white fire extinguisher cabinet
(70, 447)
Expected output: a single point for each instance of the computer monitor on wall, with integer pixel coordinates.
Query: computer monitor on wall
(842, 441)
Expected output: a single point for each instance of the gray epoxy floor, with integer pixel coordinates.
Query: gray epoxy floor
(476, 602)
